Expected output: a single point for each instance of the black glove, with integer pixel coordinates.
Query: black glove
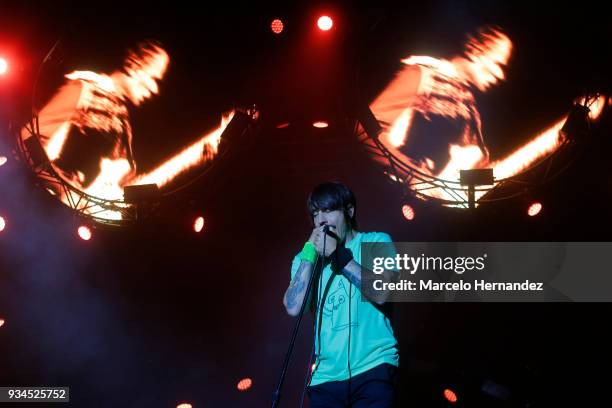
(340, 258)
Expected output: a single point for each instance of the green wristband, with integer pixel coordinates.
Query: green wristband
(309, 253)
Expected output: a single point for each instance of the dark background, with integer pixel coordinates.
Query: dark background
(153, 314)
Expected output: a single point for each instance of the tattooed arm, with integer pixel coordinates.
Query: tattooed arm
(353, 272)
(294, 296)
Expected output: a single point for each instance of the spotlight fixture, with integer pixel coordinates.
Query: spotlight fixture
(534, 208)
(276, 26)
(408, 212)
(140, 194)
(198, 224)
(84, 232)
(3, 66)
(450, 396)
(577, 123)
(325, 23)
(36, 154)
(473, 178)
(244, 384)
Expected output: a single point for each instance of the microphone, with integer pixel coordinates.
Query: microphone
(330, 233)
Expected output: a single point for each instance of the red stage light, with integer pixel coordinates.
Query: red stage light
(325, 23)
(3, 66)
(184, 405)
(283, 125)
(276, 26)
(534, 209)
(408, 212)
(3, 160)
(198, 224)
(244, 384)
(84, 233)
(320, 124)
(1, 322)
(2, 224)
(450, 396)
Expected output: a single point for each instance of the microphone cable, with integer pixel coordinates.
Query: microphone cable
(311, 369)
(319, 316)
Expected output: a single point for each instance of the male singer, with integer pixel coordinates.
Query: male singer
(356, 356)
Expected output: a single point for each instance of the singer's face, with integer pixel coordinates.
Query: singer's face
(332, 217)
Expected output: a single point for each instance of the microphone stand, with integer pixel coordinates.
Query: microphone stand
(296, 328)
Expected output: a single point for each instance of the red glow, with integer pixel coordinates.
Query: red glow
(3, 66)
(1, 322)
(184, 405)
(534, 209)
(325, 23)
(3, 160)
(198, 224)
(2, 224)
(408, 212)
(84, 233)
(276, 26)
(283, 125)
(450, 396)
(320, 124)
(244, 384)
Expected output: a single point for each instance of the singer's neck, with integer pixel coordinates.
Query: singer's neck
(350, 235)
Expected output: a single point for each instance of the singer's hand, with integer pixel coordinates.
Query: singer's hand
(315, 233)
(320, 238)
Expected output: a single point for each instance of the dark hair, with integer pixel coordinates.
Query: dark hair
(331, 196)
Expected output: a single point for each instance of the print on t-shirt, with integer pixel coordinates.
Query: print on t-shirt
(336, 310)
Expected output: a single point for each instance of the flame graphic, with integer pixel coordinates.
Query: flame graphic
(91, 109)
(437, 87)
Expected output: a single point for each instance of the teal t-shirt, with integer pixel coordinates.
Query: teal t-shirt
(371, 337)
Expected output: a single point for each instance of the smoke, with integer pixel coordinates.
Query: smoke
(62, 328)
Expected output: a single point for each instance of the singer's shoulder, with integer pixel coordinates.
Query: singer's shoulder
(375, 236)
